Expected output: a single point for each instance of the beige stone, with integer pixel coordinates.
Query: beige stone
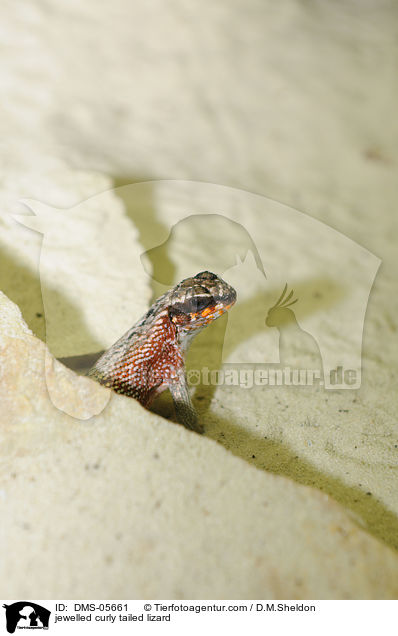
(290, 102)
(129, 505)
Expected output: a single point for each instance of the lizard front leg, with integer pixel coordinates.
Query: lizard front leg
(185, 412)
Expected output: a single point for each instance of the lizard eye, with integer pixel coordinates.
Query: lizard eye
(193, 305)
(199, 303)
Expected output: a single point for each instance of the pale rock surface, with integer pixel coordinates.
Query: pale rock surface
(127, 505)
(88, 257)
(74, 271)
(292, 101)
(338, 440)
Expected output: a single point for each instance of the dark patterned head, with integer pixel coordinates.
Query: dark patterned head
(199, 300)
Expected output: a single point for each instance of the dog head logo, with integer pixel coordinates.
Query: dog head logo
(25, 614)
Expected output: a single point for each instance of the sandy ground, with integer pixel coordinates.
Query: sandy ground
(279, 121)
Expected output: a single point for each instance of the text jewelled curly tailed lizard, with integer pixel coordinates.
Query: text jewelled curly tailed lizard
(149, 358)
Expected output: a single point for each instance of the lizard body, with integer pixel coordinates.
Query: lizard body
(149, 358)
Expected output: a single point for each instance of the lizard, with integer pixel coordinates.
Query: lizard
(149, 358)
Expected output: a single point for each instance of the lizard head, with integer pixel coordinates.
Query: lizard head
(199, 300)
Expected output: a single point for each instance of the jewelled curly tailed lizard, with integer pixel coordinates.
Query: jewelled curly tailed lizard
(149, 358)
